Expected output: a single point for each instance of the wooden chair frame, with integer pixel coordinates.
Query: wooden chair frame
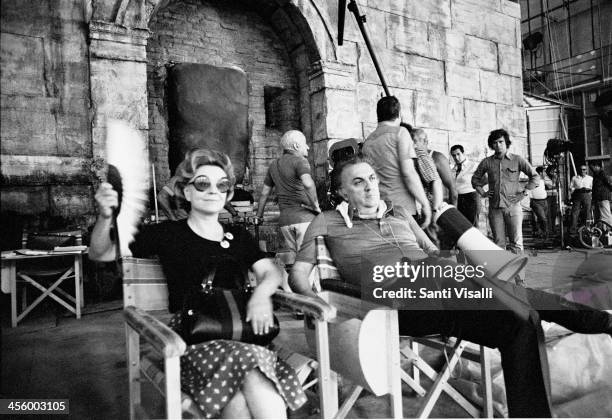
(144, 290)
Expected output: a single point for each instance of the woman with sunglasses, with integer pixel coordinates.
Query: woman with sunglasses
(227, 379)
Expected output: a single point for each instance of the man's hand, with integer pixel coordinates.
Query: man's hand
(426, 216)
(107, 200)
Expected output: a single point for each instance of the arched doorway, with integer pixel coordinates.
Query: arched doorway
(270, 45)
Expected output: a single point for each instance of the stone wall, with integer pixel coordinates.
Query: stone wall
(454, 65)
(45, 129)
(222, 35)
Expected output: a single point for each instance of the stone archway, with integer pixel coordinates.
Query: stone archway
(118, 32)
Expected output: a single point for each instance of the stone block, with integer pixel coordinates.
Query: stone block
(22, 200)
(479, 116)
(442, 112)
(453, 43)
(408, 35)
(33, 170)
(423, 74)
(510, 60)
(334, 75)
(493, 5)
(26, 132)
(513, 118)
(117, 51)
(462, 81)
(22, 68)
(406, 99)
(480, 53)
(511, 8)
(391, 62)
(347, 52)
(119, 90)
(367, 97)
(342, 118)
(319, 110)
(496, 87)
(473, 19)
(437, 12)
(516, 84)
(71, 200)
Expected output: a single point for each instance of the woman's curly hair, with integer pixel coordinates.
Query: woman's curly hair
(195, 158)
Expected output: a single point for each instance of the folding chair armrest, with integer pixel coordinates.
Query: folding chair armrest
(159, 335)
(315, 308)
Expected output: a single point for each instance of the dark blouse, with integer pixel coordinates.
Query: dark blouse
(186, 258)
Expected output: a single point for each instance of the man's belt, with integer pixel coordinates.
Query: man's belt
(582, 190)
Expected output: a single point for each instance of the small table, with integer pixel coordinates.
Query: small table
(10, 275)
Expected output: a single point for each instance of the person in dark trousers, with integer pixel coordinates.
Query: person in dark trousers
(551, 175)
(539, 205)
(502, 171)
(602, 192)
(468, 200)
(581, 188)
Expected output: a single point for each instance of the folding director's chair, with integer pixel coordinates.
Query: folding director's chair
(158, 360)
(330, 277)
(50, 274)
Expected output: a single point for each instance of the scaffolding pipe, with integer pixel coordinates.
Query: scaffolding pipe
(583, 85)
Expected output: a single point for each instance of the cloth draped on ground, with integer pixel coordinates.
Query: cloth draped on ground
(580, 374)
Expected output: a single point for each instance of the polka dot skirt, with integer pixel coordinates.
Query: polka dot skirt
(213, 371)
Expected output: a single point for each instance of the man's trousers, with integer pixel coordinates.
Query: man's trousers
(469, 205)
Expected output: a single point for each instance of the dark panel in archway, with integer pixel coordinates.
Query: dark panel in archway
(208, 107)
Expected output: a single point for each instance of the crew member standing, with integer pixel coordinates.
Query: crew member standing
(391, 150)
(602, 192)
(468, 200)
(581, 187)
(295, 188)
(505, 191)
(539, 205)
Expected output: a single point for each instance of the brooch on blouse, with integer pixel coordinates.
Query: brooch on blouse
(227, 236)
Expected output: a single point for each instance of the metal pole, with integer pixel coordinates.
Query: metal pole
(360, 20)
(560, 204)
(155, 193)
(601, 58)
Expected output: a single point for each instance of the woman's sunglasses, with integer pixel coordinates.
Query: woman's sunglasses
(202, 183)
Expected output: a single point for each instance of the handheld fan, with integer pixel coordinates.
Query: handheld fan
(128, 172)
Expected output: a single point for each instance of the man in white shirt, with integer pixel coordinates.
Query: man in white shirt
(539, 204)
(580, 190)
(468, 200)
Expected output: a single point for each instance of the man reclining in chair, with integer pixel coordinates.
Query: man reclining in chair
(363, 226)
